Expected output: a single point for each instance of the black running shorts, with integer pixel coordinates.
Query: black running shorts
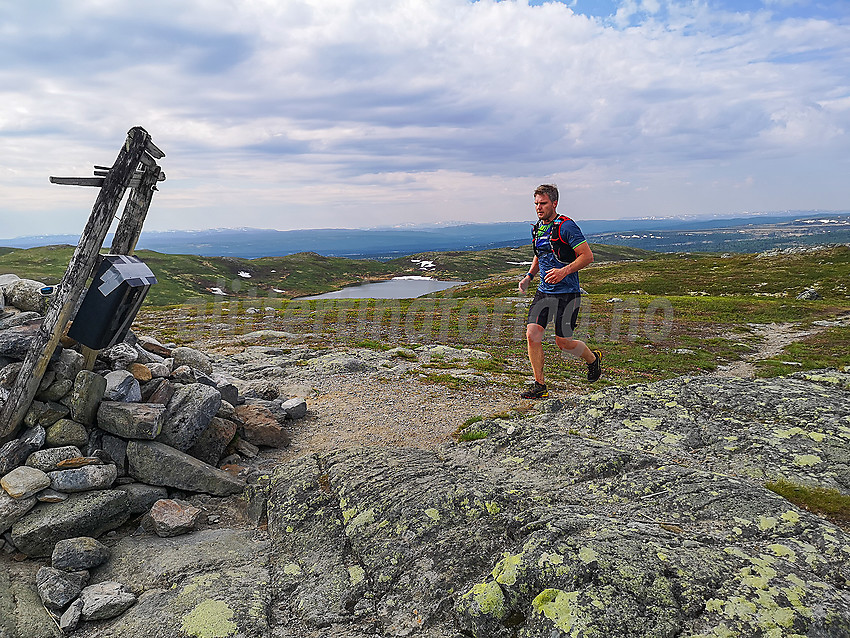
(565, 308)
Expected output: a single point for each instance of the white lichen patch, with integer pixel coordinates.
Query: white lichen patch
(645, 422)
(807, 460)
(433, 513)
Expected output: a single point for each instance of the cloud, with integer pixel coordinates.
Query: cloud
(266, 108)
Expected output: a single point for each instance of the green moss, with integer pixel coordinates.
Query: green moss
(829, 502)
(210, 619)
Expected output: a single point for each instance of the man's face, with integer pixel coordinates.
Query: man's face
(545, 207)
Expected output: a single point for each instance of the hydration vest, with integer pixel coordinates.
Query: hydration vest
(560, 248)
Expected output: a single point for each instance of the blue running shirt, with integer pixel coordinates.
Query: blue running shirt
(570, 234)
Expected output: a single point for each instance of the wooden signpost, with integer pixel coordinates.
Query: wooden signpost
(134, 168)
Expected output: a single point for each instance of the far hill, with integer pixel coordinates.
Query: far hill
(714, 234)
(184, 277)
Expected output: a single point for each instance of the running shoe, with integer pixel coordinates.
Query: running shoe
(594, 370)
(536, 391)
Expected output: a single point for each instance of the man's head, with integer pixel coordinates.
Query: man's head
(545, 201)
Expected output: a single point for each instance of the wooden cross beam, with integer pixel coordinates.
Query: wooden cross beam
(137, 149)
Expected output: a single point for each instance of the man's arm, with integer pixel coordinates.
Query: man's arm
(584, 257)
(523, 283)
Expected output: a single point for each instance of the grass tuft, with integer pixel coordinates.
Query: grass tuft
(831, 503)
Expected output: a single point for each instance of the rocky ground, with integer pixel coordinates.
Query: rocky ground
(636, 511)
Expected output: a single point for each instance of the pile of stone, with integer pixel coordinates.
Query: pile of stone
(101, 447)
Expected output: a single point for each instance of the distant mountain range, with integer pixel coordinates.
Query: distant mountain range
(733, 234)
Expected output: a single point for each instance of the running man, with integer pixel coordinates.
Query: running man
(560, 251)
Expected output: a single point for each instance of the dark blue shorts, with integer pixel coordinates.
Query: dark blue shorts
(564, 307)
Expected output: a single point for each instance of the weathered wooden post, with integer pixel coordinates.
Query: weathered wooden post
(137, 148)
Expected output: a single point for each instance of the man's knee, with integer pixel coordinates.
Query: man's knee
(534, 333)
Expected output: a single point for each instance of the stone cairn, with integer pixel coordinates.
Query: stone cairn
(100, 449)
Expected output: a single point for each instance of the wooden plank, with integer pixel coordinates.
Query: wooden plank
(79, 270)
(135, 211)
(97, 181)
(78, 181)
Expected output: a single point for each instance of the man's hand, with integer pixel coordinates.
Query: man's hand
(555, 275)
(523, 284)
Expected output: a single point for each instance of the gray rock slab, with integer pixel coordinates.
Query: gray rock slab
(86, 396)
(22, 614)
(14, 453)
(24, 481)
(13, 509)
(193, 358)
(142, 496)
(67, 432)
(80, 553)
(131, 420)
(84, 514)
(48, 459)
(189, 412)
(83, 479)
(210, 578)
(159, 464)
(58, 588)
(105, 600)
(121, 385)
(600, 518)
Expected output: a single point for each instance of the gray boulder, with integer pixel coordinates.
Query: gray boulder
(84, 514)
(86, 396)
(131, 420)
(81, 553)
(48, 459)
(69, 365)
(193, 358)
(58, 588)
(45, 413)
(142, 496)
(24, 481)
(159, 464)
(189, 412)
(13, 509)
(121, 385)
(67, 432)
(295, 408)
(14, 453)
(15, 341)
(119, 356)
(83, 479)
(25, 295)
(105, 600)
(210, 446)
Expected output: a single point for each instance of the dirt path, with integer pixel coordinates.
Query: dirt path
(774, 337)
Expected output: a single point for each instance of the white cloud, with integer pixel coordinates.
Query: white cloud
(408, 110)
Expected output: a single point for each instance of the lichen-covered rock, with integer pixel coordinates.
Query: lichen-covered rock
(636, 512)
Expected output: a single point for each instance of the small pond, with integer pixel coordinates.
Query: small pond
(397, 288)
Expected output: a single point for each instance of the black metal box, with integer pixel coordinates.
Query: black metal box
(116, 293)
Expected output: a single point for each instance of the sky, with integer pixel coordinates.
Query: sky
(294, 114)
